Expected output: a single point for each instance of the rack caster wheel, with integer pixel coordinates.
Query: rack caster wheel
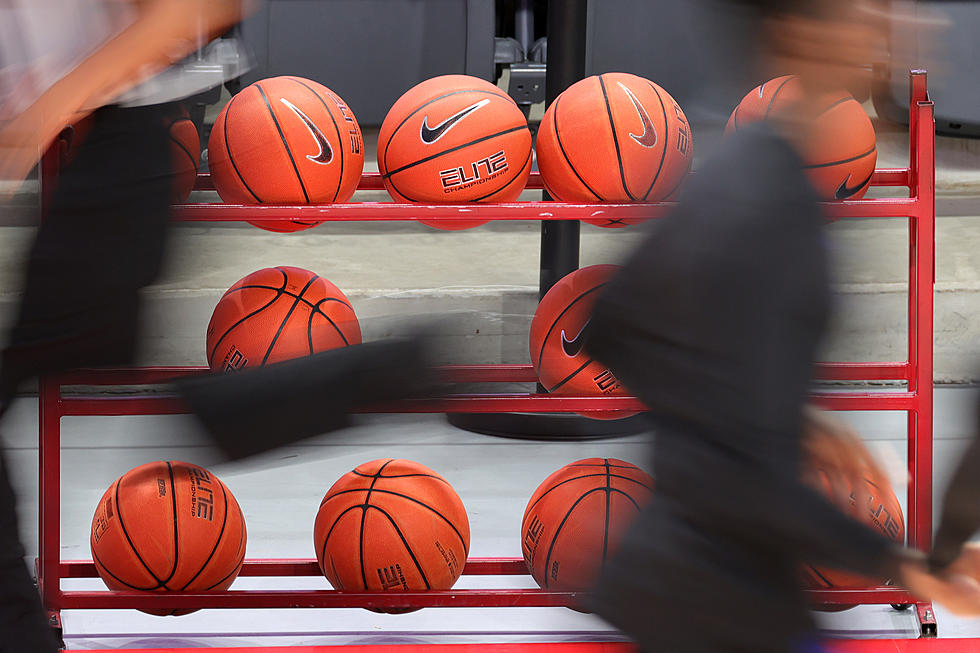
(54, 621)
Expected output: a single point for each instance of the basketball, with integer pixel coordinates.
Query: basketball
(286, 140)
(614, 138)
(391, 525)
(886, 517)
(185, 152)
(576, 519)
(563, 367)
(454, 139)
(277, 314)
(168, 527)
(841, 154)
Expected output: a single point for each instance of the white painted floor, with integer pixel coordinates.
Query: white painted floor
(280, 494)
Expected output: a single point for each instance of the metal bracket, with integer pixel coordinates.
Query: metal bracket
(527, 83)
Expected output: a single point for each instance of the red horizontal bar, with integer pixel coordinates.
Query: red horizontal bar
(512, 598)
(484, 403)
(514, 647)
(88, 406)
(509, 598)
(157, 375)
(302, 567)
(373, 181)
(388, 211)
(866, 400)
(860, 596)
(491, 373)
(865, 371)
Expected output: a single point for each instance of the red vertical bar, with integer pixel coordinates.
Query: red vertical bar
(49, 492)
(925, 223)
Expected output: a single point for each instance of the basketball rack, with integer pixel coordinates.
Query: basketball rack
(916, 400)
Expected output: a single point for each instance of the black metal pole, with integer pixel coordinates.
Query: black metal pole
(566, 65)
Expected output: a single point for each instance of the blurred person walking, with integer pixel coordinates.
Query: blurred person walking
(714, 323)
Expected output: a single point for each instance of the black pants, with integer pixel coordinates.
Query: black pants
(102, 240)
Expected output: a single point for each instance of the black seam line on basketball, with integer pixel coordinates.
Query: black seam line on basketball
(570, 376)
(217, 541)
(289, 313)
(279, 291)
(683, 178)
(438, 478)
(106, 569)
(605, 532)
(367, 504)
(820, 575)
(309, 332)
(456, 149)
(186, 151)
(579, 478)
(326, 538)
(626, 466)
(616, 490)
(384, 157)
(293, 295)
(561, 524)
(405, 543)
(836, 163)
(775, 94)
(663, 153)
(612, 127)
(173, 506)
(403, 496)
(554, 120)
(282, 137)
(237, 324)
(551, 329)
(333, 566)
(241, 550)
(340, 140)
(328, 319)
(519, 174)
(834, 104)
(224, 127)
(132, 546)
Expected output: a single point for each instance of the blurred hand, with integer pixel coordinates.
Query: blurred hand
(836, 449)
(955, 591)
(968, 562)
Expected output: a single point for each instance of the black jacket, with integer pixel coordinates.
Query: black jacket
(714, 323)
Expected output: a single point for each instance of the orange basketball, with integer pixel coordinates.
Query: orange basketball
(185, 152)
(276, 314)
(576, 519)
(391, 525)
(614, 138)
(454, 139)
(286, 140)
(886, 517)
(556, 347)
(168, 527)
(841, 154)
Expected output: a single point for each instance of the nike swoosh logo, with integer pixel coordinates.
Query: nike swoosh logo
(325, 155)
(430, 135)
(573, 347)
(649, 136)
(845, 191)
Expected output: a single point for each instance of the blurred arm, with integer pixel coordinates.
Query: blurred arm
(960, 517)
(164, 31)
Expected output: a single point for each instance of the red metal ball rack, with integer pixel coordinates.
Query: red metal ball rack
(915, 372)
